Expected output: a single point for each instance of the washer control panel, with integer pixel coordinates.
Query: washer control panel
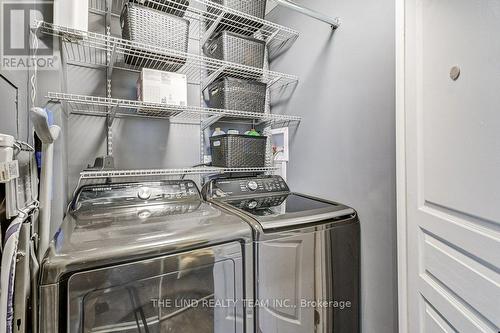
(136, 193)
(247, 186)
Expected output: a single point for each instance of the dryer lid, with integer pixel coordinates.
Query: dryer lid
(268, 200)
(289, 210)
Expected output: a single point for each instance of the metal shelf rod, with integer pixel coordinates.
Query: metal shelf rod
(334, 22)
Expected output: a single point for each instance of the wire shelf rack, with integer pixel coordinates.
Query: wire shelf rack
(206, 16)
(197, 174)
(102, 106)
(103, 174)
(91, 49)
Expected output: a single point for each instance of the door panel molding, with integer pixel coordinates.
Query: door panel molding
(463, 277)
(460, 315)
(435, 322)
(477, 242)
(451, 213)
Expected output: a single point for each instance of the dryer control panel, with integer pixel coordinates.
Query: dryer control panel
(247, 186)
(136, 193)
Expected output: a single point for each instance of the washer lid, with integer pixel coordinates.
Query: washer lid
(289, 210)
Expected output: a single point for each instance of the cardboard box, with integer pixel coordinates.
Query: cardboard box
(156, 86)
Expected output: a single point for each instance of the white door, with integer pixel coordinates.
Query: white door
(449, 166)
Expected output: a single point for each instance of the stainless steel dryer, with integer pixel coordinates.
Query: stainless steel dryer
(146, 257)
(306, 255)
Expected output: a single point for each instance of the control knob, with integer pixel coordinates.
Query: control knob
(252, 185)
(144, 193)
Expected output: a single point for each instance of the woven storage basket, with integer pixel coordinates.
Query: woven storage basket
(236, 48)
(235, 94)
(236, 23)
(173, 7)
(238, 151)
(149, 26)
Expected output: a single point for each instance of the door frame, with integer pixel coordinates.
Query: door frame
(401, 165)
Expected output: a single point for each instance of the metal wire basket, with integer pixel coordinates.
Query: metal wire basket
(236, 48)
(235, 94)
(149, 26)
(234, 22)
(238, 151)
(173, 7)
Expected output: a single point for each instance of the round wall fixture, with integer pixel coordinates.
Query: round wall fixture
(455, 73)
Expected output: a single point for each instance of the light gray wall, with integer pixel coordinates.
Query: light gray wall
(344, 149)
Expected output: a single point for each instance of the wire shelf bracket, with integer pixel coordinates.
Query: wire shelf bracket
(210, 121)
(112, 60)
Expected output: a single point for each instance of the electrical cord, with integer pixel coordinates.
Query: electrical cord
(33, 79)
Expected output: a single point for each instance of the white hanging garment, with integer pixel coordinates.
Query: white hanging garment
(7, 276)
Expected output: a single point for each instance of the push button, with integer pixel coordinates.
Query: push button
(252, 204)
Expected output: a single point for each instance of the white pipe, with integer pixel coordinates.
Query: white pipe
(45, 199)
(334, 22)
(47, 134)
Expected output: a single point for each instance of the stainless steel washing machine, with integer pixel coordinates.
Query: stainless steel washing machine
(147, 257)
(306, 255)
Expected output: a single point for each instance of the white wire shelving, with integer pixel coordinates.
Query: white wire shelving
(92, 177)
(103, 106)
(106, 50)
(206, 17)
(104, 174)
(93, 50)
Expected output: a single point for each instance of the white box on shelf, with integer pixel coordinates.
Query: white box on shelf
(156, 86)
(72, 14)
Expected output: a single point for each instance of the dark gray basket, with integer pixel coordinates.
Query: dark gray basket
(236, 48)
(235, 94)
(172, 7)
(153, 27)
(238, 151)
(236, 23)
